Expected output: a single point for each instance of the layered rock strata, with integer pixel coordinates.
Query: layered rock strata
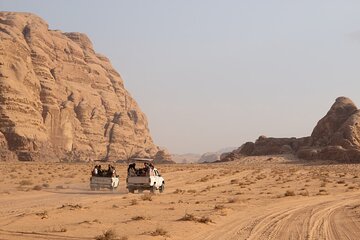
(59, 99)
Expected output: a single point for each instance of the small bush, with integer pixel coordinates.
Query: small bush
(289, 193)
(234, 181)
(138, 218)
(232, 200)
(110, 235)
(179, 191)
(190, 217)
(133, 202)
(37, 188)
(219, 207)
(147, 197)
(159, 232)
(25, 183)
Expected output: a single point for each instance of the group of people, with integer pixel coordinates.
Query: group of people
(146, 170)
(110, 172)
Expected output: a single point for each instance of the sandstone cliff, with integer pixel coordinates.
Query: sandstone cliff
(335, 137)
(59, 99)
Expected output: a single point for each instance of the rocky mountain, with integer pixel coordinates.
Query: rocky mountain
(215, 156)
(185, 158)
(60, 100)
(335, 137)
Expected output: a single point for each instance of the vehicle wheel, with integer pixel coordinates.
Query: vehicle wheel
(131, 190)
(162, 188)
(153, 189)
(92, 188)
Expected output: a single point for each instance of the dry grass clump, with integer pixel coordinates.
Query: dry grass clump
(71, 206)
(147, 197)
(25, 183)
(322, 192)
(110, 234)
(289, 193)
(133, 202)
(232, 200)
(219, 207)
(341, 182)
(37, 188)
(179, 191)
(304, 193)
(43, 214)
(138, 218)
(159, 232)
(234, 181)
(191, 217)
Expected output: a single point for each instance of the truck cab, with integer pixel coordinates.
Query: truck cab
(142, 175)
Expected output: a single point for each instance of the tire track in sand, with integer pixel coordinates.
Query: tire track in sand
(325, 218)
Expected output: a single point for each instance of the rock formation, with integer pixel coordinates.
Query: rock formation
(335, 137)
(163, 156)
(59, 99)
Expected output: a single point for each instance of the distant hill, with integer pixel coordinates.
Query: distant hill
(215, 156)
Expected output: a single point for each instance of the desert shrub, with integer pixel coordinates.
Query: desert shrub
(133, 202)
(110, 235)
(304, 193)
(190, 217)
(179, 191)
(147, 197)
(37, 188)
(159, 232)
(219, 206)
(138, 218)
(232, 200)
(289, 193)
(25, 182)
(46, 185)
(204, 220)
(234, 181)
(341, 181)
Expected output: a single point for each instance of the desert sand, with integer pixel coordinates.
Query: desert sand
(276, 197)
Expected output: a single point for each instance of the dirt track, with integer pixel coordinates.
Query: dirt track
(250, 199)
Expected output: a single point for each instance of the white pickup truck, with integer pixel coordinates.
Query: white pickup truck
(103, 182)
(146, 178)
(104, 178)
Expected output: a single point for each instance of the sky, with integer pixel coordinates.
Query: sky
(214, 74)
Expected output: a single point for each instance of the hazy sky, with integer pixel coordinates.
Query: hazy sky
(213, 74)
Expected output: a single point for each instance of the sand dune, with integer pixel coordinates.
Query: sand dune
(251, 198)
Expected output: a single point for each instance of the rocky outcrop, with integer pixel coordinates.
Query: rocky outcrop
(209, 157)
(163, 156)
(59, 99)
(335, 137)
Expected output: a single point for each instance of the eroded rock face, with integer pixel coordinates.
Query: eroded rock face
(335, 137)
(325, 132)
(59, 99)
(163, 156)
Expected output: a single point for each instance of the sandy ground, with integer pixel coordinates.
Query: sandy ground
(253, 198)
